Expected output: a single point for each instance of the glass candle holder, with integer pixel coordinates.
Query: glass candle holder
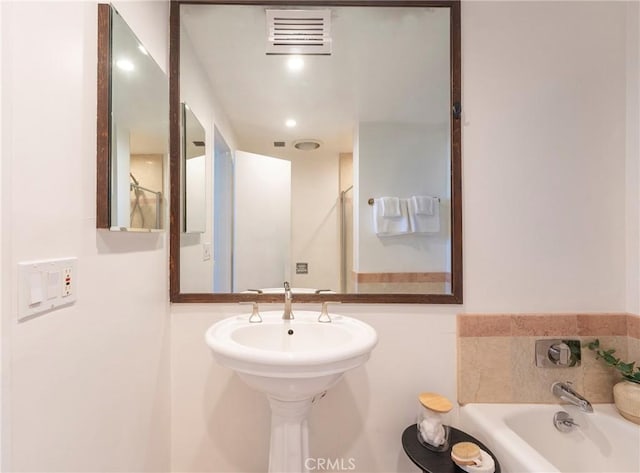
(433, 421)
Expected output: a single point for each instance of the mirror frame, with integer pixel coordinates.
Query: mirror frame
(103, 171)
(104, 179)
(456, 163)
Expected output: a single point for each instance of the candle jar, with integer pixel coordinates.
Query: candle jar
(433, 421)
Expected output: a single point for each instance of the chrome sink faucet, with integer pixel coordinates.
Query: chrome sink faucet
(288, 299)
(565, 392)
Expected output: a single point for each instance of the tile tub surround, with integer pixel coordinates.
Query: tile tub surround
(407, 283)
(496, 357)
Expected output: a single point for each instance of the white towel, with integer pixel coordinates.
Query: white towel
(424, 204)
(390, 206)
(432, 431)
(390, 226)
(487, 465)
(423, 223)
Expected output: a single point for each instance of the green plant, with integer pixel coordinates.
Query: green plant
(628, 370)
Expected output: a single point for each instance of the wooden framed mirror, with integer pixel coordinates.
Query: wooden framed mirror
(303, 162)
(132, 130)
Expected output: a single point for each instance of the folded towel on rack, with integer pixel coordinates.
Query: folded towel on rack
(389, 206)
(424, 204)
(422, 222)
(390, 226)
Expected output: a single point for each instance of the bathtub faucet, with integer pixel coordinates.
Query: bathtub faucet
(566, 393)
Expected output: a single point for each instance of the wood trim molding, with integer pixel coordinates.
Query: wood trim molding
(103, 151)
(175, 225)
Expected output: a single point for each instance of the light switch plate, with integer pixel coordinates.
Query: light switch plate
(41, 287)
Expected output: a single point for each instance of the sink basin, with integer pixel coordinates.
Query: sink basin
(291, 361)
(298, 348)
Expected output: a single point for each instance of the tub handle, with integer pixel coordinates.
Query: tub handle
(564, 422)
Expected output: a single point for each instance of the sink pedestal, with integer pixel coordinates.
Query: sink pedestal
(289, 448)
(291, 361)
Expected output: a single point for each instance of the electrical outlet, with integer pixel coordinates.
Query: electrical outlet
(206, 251)
(46, 285)
(67, 282)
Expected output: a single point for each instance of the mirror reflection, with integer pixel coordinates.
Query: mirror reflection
(194, 169)
(338, 149)
(139, 131)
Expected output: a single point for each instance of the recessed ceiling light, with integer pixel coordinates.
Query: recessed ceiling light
(125, 65)
(142, 50)
(290, 123)
(306, 144)
(295, 63)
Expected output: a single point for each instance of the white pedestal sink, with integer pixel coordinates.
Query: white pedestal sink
(291, 361)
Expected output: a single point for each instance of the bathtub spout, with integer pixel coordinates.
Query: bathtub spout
(566, 393)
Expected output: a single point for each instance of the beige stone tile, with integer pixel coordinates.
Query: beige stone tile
(618, 343)
(484, 325)
(598, 386)
(533, 384)
(402, 288)
(598, 377)
(484, 372)
(633, 326)
(602, 324)
(543, 325)
(633, 350)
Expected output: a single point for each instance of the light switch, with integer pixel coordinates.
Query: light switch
(36, 294)
(40, 288)
(53, 284)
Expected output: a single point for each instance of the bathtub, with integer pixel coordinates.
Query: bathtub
(524, 440)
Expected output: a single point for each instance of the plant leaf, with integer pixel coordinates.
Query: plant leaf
(633, 378)
(626, 368)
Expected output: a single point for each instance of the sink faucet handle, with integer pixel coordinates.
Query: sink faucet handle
(255, 316)
(324, 316)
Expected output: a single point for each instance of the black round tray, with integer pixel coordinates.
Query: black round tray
(438, 462)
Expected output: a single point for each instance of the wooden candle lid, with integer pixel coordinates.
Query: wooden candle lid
(435, 402)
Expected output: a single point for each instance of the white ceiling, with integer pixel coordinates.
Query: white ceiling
(140, 96)
(388, 64)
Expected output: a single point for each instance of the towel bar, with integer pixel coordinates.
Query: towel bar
(372, 200)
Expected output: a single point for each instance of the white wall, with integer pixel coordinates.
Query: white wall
(315, 214)
(544, 156)
(632, 168)
(402, 160)
(86, 386)
(195, 91)
(5, 304)
(197, 274)
(262, 193)
(217, 419)
(544, 230)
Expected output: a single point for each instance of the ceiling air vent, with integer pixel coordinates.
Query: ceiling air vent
(298, 31)
(279, 144)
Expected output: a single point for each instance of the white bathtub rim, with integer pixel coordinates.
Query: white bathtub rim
(528, 458)
(514, 453)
